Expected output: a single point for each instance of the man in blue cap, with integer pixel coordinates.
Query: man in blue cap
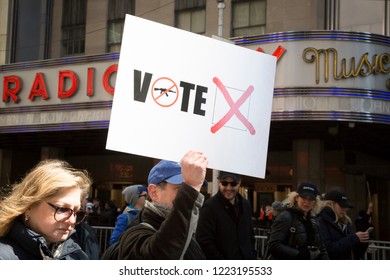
(225, 229)
(168, 220)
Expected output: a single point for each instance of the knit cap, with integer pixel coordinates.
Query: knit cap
(131, 193)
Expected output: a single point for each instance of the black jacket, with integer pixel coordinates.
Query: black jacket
(341, 245)
(86, 237)
(163, 238)
(21, 243)
(292, 233)
(225, 231)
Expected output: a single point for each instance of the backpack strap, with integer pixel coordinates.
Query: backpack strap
(129, 219)
(148, 225)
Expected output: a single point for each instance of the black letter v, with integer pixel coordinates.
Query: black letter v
(141, 92)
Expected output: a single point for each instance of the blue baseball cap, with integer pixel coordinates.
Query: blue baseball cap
(166, 171)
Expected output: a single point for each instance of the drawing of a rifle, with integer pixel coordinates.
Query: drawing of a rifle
(164, 90)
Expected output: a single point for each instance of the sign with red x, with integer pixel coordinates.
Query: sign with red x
(193, 93)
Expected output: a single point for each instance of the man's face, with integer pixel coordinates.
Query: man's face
(165, 194)
(229, 188)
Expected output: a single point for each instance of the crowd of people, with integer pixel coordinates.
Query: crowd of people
(311, 226)
(48, 216)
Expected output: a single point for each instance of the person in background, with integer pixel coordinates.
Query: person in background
(265, 216)
(364, 220)
(89, 208)
(276, 208)
(94, 213)
(225, 229)
(135, 197)
(167, 222)
(85, 235)
(109, 214)
(336, 228)
(295, 231)
(38, 217)
(97, 206)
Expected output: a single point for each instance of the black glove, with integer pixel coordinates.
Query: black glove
(308, 253)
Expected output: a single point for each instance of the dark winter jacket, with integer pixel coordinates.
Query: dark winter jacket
(292, 234)
(86, 237)
(21, 243)
(162, 238)
(225, 230)
(341, 245)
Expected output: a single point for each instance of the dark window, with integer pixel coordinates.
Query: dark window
(74, 15)
(190, 15)
(117, 10)
(249, 17)
(30, 30)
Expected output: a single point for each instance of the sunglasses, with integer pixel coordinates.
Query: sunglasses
(232, 183)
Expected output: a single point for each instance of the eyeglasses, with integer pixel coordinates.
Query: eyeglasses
(232, 183)
(61, 214)
(141, 195)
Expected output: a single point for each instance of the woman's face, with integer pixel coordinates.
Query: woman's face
(41, 217)
(305, 203)
(340, 211)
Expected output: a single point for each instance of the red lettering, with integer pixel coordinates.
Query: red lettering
(106, 78)
(12, 87)
(90, 81)
(63, 75)
(38, 88)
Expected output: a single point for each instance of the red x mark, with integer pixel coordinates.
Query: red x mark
(233, 108)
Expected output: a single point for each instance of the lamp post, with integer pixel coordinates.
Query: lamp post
(221, 7)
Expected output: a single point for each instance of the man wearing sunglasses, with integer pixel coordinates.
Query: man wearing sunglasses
(225, 228)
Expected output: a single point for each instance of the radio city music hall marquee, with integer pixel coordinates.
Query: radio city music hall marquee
(318, 72)
(329, 75)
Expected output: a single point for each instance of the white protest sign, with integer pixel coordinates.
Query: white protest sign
(177, 91)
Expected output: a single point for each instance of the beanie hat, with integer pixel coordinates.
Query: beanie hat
(131, 193)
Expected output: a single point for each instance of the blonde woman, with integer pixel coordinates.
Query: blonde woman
(295, 233)
(39, 215)
(336, 228)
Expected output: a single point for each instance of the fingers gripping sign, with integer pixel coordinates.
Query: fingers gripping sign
(193, 168)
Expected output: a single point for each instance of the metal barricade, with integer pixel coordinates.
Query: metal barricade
(103, 234)
(260, 245)
(378, 250)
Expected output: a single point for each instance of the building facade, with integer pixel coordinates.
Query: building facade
(330, 116)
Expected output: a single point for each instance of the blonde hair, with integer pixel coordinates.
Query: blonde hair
(291, 201)
(44, 181)
(344, 220)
